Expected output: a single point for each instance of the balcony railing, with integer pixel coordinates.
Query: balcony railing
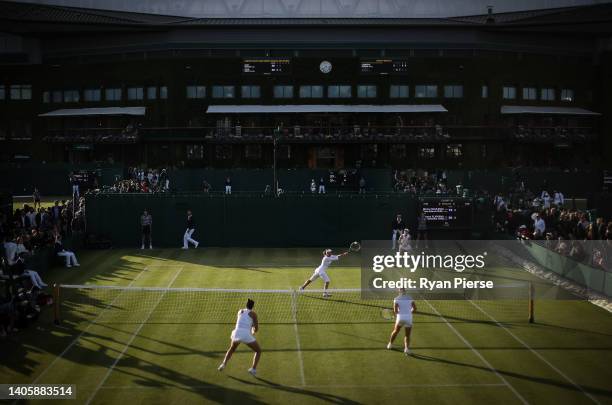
(126, 135)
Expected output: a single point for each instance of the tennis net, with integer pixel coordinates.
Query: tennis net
(115, 304)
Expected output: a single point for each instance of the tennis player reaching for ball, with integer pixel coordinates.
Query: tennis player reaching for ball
(246, 326)
(320, 272)
(403, 307)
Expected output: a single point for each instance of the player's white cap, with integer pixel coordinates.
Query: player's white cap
(327, 251)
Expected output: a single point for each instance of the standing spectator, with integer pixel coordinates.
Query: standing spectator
(56, 212)
(362, 185)
(545, 199)
(539, 227)
(405, 241)
(164, 180)
(422, 229)
(558, 198)
(321, 186)
(36, 198)
(228, 185)
(146, 224)
(74, 181)
(189, 231)
(397, 227)
(71, 259)
(313, 186)
(206, 186)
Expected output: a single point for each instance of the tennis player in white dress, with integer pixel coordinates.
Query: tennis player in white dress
(246, 326)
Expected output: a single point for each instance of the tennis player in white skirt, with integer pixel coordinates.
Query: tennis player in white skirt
(246, 326)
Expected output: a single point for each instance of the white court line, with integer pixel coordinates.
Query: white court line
(477, 353)
(538, 355)
(349, 386)
(84, 331)
(129, 343)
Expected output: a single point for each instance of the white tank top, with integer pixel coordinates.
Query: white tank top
(244, 321)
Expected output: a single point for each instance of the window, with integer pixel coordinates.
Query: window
(2, 92)
(163, 92)
(250, 91)
(509, 92)
(427, 152)
(426, 91)
(453, 91)
(223, 91)
(135, 93)
(311, 91)
(339, 91)
(399, 91)
(530, 93)
(92, 95)
(454, 150)
(252, 151)
(484, 91)
(195, 152)
(283, 91)
(196, 92)
(71, 96)
(113, 94)
(46, 97)
(567, 95)
(151, 93)
(57, 96)
(21, 92)
(547, 94)
(366, 91)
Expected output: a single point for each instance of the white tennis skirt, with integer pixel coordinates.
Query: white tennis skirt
(404, 321)
(242, 336)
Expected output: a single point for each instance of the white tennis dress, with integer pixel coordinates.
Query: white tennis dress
(321, 270)
(242, 330)
(404, 313)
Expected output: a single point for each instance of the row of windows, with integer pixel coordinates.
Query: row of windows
(24, 92)
(110, 94)
(531, 93)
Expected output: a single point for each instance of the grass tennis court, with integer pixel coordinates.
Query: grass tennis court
(565, 356)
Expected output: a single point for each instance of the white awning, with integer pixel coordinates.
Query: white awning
(527, 109)
(78, 112)
(319, 108)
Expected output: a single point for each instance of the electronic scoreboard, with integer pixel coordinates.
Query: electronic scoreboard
(266, 66)
(447, 213)
(384, 67)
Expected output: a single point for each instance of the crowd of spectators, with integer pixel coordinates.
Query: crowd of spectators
(568, 231)
(26, 233)
(425, 182)
(140, 180)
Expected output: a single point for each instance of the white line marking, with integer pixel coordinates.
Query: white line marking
(129, 343)
(84, 331)
(477, 353)
(538, 355)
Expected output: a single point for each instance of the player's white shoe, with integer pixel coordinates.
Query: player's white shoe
(407, 351)
(326, 295)
(184, 248)
(252, 371)
(141, 247)
(221, 367)
(389, 346)
(197, 244)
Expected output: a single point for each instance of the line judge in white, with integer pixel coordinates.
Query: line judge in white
(320, 272)
(246, 326)
(403, 307)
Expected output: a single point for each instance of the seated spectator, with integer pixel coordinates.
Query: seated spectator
(71, 259)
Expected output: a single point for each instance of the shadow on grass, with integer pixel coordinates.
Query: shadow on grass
(261, 382)
(512, 374)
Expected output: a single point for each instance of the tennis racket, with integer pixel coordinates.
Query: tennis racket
(355, 247)
(387, 314)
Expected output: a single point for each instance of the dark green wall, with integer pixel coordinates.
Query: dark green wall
(248, 221)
